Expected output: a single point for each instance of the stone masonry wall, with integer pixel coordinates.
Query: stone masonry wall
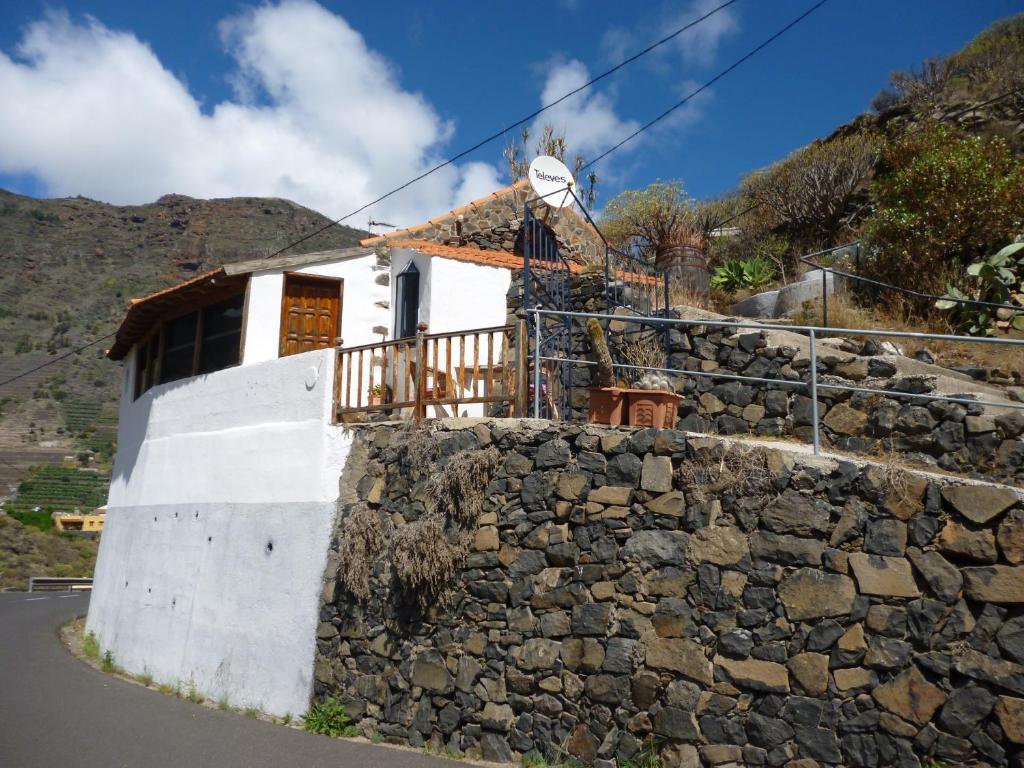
(954, 437)
(638, 587)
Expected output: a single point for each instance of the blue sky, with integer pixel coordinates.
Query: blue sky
(330, 104)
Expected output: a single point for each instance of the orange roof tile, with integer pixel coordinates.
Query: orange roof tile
(466, 253)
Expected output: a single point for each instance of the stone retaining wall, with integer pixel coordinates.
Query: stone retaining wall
(630, 588)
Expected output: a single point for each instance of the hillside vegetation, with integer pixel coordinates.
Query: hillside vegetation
(27, 551)
(68, 268)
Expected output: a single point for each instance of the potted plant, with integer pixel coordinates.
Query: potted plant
(376, 395)
(607, 401)
(651, 401)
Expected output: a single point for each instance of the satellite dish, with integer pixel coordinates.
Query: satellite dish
(551, 181)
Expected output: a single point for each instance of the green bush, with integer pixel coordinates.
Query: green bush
(999, 279)
(736, 274)
(946, 200)
(328, 717)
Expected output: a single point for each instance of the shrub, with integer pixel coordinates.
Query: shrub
(998, 280)
(328, 718)
(752, 273)
(425, 560)
(459, 489)
(945, 200)
(91, 646)
(812, 191)
(362, 541)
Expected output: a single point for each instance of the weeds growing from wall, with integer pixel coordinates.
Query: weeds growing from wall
(459, 489)
(328, 718)
(425, 560)
(91, 646)
(362, 541)
(738, 471)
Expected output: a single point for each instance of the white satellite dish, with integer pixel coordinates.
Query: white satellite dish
(551, 181)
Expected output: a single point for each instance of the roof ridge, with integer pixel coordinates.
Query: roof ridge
(453, 212)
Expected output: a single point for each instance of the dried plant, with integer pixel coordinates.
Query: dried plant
(421, 446)
(743, 472)
(645, 352)
(426, 561)
(459, 489)
(362, 542)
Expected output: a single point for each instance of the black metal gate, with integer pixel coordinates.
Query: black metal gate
(547, 284)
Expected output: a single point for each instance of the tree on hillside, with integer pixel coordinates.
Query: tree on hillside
(812, 192)
(652, 220)
(517, 158)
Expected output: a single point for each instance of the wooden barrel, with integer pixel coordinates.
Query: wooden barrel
(686, 268)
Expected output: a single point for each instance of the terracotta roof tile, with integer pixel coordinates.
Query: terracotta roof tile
(466, 253)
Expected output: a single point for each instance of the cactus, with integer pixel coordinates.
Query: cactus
(605, 374)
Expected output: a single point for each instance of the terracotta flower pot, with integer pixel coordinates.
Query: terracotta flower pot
(607, 406)
(653, 408)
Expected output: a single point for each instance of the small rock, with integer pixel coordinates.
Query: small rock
(680, 655)
(1001, 584)
(656, 474)
(721, 545)
(808, 593)
(755, 675)
(910, 696)
(810, 672)
(960, 541)
(1011, 536)
(1009, 712)
(885, 576)
(943, 579)
(979, 503)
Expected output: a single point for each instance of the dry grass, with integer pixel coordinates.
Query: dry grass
(740, 471)
(459, 487)
(362, 542)
(645, 352)
(845, 312)
(421, 447)
(426, 561)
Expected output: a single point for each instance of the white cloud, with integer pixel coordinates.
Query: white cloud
(588, 120)
(325, 121)
(696, 46)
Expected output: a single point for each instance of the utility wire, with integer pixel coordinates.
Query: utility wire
(750, 54)
(57, 359)
(449, 161)
(521, 121)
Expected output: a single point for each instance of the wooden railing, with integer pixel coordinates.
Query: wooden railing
(436, 371)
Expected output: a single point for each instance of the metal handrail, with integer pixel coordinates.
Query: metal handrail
(813, 384)
(860, 278)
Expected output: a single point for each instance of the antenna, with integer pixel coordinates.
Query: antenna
(549, 177)
(371, 223)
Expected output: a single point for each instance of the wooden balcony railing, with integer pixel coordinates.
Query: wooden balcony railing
(439, 371)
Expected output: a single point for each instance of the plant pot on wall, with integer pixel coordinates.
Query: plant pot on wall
(607, 406)
(652, 408)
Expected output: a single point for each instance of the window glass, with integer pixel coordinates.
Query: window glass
(222, 335)
(179, 348)
(407, 292)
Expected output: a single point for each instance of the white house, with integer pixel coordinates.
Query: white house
(226, 480)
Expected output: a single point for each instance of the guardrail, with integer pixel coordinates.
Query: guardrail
(57, 583)
(812, 384)
(857, 247)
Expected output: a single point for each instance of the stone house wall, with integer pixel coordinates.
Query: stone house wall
(621, 593)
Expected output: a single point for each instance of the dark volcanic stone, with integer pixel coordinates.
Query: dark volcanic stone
(624, 469)
(736, 642)
(818, 743)
(767, 732)
(966, 708)
(824, 634)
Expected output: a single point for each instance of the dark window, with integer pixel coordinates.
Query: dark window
(141, 368)
(179, 347)
(221, 335)
(407, 311)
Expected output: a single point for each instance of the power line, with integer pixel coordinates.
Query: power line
(57, 359)
(750, 54)
(516, 124)
(447, 162)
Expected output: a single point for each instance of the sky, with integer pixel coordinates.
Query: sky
(331, 104)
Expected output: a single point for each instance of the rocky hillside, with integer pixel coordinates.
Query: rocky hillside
(67, 270)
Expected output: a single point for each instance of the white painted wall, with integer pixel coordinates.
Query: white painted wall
(360, 311)
(210, 471)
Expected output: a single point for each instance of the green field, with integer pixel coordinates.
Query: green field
(56, 489)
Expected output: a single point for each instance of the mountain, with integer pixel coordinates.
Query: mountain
(68, 268)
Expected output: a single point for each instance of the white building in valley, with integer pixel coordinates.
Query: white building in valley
(225, 486)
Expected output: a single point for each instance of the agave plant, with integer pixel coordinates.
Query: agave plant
(999, 279)
(751, 273)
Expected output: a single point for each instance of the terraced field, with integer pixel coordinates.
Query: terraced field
(56, 489)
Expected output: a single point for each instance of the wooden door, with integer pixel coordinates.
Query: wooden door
(310, 313)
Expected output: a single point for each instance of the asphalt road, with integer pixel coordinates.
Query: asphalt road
(58, 712)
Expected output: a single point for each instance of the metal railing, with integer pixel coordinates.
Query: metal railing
(857, 247)
(813, 384)
(429, 370)
(57, 583)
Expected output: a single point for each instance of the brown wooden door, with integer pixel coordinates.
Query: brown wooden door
(310, 313)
